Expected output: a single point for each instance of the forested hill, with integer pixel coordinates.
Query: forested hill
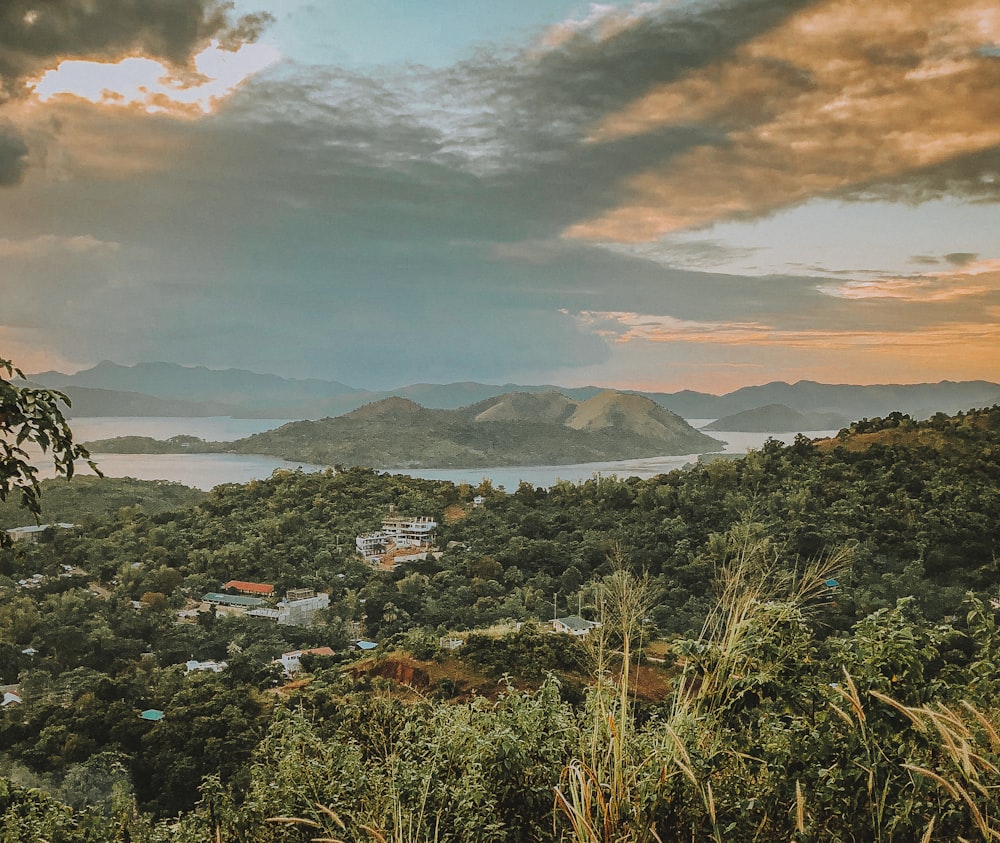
(511, 429)
(822, 693)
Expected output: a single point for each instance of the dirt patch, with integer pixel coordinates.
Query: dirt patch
(455, 512)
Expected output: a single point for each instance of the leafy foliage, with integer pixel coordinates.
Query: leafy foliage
(31, 417)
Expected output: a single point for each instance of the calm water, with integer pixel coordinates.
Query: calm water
(204, 471)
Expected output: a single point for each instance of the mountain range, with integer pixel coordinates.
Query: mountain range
(167, 389)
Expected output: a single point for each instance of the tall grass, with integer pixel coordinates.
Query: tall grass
(627, 777)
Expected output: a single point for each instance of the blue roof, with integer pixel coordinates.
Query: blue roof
(367, 645)
(152, 714)
(832, 583)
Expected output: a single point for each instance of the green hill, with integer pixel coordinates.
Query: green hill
(511, 429)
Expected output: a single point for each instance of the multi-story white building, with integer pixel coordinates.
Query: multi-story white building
(397, 532)
(409, 532)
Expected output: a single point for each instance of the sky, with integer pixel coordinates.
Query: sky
(692, 194)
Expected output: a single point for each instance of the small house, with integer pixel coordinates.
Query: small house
(291, 661)
(573, 625)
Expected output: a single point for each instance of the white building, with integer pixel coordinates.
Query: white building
(209, 666)
(291, 661)
(409, 532)
(33, 533)
(297, 609)
(573, 625)
(397, 532)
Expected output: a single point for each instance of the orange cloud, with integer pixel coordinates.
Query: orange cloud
(928, 287)
(623, 328)
(843, 94)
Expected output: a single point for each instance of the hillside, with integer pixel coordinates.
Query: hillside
(776, 418)
(99, 497)
(513, 429)
(883, 666)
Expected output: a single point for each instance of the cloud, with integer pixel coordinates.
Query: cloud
(151, 85)
(960, 258)
(49, 245)
(942, 286)
(51, 45)
(627, 328)
(34, 39)
(13, 156)
(829, 102)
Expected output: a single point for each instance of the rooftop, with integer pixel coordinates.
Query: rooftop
(251, 587)
(232, 599)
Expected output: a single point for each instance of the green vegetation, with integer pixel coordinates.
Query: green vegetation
(31, 418)
(87, 498)
(823, 614)
(515, 429)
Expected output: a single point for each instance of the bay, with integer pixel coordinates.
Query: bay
(205, 471)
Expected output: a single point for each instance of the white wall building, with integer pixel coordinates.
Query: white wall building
(397, 532)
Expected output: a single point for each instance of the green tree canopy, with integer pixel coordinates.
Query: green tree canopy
(32, 417)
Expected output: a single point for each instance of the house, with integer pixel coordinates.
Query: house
(232, 603)
(409, 532)
(297, 609)
(253, 589)
(573, 625)
(11, 696)
(33, 533)
(210, 666)
(365, 646)
(153, 714)
(398, 533)
(371, 546)
(291, 661)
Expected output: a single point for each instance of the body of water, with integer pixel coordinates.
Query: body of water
(205, 471)
(211, 429)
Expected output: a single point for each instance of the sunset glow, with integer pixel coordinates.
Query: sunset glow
(152, 86)
(653, 194)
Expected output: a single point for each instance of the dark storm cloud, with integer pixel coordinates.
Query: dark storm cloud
(36, 34)
(13, 156)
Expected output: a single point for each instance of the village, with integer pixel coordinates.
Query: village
(401, 539)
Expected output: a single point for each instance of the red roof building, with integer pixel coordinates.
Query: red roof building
(259, 589)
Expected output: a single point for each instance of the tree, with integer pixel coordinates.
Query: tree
(32, 417)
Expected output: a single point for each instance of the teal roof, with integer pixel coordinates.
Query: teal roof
(152, 714)
(233, 600)
(576, 623)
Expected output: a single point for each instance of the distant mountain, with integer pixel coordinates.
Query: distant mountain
(776, 418)
(920, 400)
(518, 429)
(242, 393)
(233, 391)
(110, 402)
